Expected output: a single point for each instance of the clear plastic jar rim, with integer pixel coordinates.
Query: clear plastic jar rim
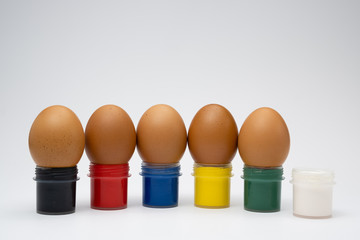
(56, 175)
(108, 177)
(171, 170)
(227, 165)
(312, 175)
(273, 174)
(111, 171)
(213, 170)
(159, 165)
(56, 180)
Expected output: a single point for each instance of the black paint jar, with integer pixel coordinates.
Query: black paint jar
(55, 190)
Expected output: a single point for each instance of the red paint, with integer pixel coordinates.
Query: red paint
(109, 186)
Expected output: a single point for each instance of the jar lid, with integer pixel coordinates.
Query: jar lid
(312, 175)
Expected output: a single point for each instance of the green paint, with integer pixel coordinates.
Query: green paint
(262, 189)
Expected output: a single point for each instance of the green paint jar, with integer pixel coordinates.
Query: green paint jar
(262, 189)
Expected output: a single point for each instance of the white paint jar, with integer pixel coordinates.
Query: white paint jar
(312, 192)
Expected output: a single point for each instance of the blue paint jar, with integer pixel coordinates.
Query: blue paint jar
(160, 185)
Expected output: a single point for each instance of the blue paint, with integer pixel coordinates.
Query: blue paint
(160, 185)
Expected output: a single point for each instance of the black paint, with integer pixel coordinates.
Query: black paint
(55, 190)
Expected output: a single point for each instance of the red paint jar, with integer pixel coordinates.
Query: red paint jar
(109, 186)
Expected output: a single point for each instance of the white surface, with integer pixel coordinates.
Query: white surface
(299, 57)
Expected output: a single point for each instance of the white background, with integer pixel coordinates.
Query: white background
(301, 58)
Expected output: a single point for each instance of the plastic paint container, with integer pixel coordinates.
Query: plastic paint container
(55, 190)
(160, 185)
(212, 185)
(262, 189)
(312, 192)
(109, 186)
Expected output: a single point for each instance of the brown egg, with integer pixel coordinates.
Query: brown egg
(213, 135)
(161, 135)
(110, 136)
(264, 139)
(56, 138)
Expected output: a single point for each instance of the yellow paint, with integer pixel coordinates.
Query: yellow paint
(212, 185)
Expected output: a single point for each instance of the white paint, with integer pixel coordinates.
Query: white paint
(312, 192)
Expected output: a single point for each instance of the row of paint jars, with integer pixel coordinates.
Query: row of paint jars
(161, 138)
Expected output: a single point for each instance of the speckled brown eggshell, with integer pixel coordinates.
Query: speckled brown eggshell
(110, 136)
(56, 138)
(264, 139)
(161, 135)
(213, 135)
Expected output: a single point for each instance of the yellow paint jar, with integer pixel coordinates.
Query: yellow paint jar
(212, 185)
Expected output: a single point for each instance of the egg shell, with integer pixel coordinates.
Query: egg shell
(110, 136)
(161, 135)
(264, 139)
(213, 135)
(56, 138)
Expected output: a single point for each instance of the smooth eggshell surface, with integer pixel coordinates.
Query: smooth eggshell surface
(56, 138)
(110, 136)
(161, 135)
(213, 135)
(264, 139)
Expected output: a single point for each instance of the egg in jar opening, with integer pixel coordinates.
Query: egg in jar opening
(213, 135)
(264, 139)
(110, 136)
(56, 138)
(161, 135)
